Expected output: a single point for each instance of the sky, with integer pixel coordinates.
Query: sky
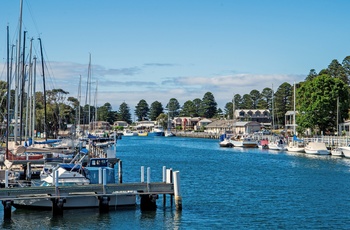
(161, 49)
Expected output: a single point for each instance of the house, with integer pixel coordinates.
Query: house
(219, 126)
(258, 115)
(99, 125)
(242, 127)
(121, 123)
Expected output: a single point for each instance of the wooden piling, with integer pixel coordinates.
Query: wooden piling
(57, 206)
(103, 205)
(177, 190)
(7, 209)
(120, 171)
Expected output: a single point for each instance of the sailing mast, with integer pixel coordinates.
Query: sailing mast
(18, 72)
(294, 123)
(8, 93)
(42, 66)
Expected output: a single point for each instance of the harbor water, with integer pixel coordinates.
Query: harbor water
(221, 188)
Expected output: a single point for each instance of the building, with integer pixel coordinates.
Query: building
(258, 115)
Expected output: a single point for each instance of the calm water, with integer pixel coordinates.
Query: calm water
(221, 188)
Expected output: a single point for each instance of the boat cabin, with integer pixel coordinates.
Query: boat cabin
(98, 162)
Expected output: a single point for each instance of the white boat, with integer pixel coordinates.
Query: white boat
(129, 133)
(226, 143)
(278, 145)
(74, 174)
(169, 134)
(243, 141)
(316, 148)
(296, 146)
(337, 152)
(345, 150)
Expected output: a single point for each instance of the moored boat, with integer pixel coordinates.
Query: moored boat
(243, 141)
(316, 148)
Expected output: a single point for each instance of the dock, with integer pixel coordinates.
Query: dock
(98, 194)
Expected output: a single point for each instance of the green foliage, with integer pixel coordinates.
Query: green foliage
(282, 102)
(255, 97)
(156, 110)
(188, 109)
(247, 102)
(173, 107)
(124, 113)
(142, 110)
(208, 106)
(317, 103)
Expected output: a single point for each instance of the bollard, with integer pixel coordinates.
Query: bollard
(120, 171)
(6, 178)
(164, 174)
(148, 202)
(148, 175)
(100, 175)
(177, 190)
(29, 172)
(142, 174)
(104, 180)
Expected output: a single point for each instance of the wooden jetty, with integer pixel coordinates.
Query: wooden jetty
(102, 193)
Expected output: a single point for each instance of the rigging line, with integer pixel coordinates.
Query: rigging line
(31, 15)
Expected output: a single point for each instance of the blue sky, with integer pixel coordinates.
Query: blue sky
(157, 50)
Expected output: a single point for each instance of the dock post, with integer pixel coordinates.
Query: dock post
(57, 206)
(103, 205)
(177, 190)
(164, 181)
(6, 178)
(142, 174)
(29, 172)
(104, 180)
(100, 175)
(120, 171)
(169, 179)
(148, 202)
(56, 181)
(148, 177)
(7, 209)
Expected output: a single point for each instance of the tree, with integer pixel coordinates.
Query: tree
(142, 110)
(238, 101)
(124, 113)
(208, 105)
(282, 102)
(247, 102)
(312, 75)
(335, 69)
(255, 96)
(229, 110)
(317, 103)
(188, 109)
(173, 107)
(265, 99)
(104, 113)
(156, 110)
(197, 105)
(346, 66)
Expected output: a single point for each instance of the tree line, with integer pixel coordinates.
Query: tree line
(322, 100)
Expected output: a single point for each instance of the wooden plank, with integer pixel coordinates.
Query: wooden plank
(110, 189)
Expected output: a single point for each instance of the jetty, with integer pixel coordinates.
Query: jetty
(103, 194)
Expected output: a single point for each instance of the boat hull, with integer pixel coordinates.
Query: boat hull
(345, 151)
(76, 201)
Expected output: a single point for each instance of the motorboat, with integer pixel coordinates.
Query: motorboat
(279, 145)
(156, 131)
(129, 133)
(345, 150)
(243, 141)
(263, 144)
(316, 148)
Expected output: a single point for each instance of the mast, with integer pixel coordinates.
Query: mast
(294, 123)
(42, 66)
(8, 93)
(33, 104)
(233, 114)
(18, 71)
(79, 99)
(22, 90)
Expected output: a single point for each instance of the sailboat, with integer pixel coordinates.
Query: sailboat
(168, 132)
(296, 145)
